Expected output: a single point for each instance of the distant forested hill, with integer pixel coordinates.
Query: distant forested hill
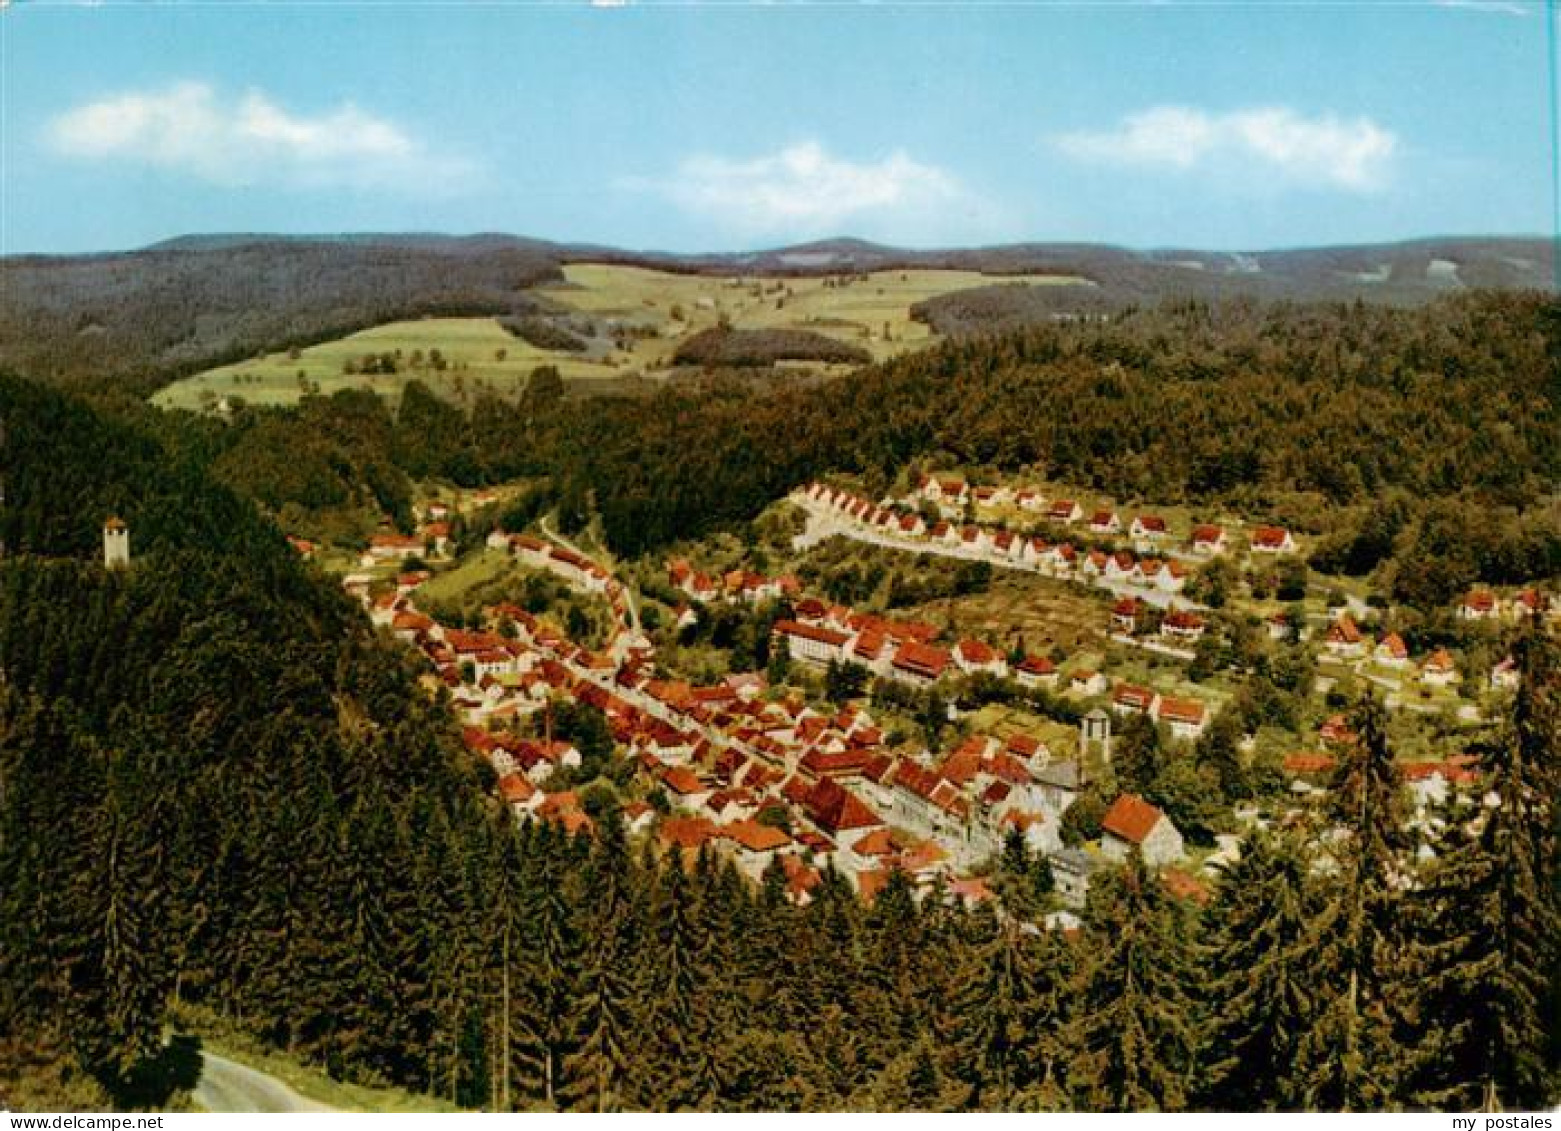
(136, 321)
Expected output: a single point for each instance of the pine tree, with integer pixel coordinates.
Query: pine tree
(546, 989)
(1259, 991)
(1348, 1060)
(674, 1069)
(1134, 1033)
(1005, 1018)
(602, 1012)
(1136, 757)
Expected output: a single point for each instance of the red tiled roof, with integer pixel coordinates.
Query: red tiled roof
(515, 789)
(1037, 665)
(975, 652)
(687, 832)
(1181, 710)
(1344, 631)
(921, 659)
(683, 781)
(755, 837)
(836, 809)
(1131, 818)
(811, 632)
(1130, 696)
(1393, 645)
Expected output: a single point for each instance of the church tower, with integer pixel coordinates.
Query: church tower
(116, 544)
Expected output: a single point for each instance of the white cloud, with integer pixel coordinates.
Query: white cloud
(1490, 7)
(190, 128)
(804, 190)
(1354, 154)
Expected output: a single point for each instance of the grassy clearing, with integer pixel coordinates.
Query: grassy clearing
(857, 310)
(476, 570)
(470, 346)
(874, 314)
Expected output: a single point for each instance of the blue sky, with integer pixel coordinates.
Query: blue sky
(1237, 126)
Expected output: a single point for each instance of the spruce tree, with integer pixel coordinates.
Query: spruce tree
(1259, 991)
(1134, 1034)
(1348, 1059)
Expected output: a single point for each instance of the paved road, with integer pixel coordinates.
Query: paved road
(227, 1086)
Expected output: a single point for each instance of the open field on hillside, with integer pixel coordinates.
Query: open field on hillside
(640, 317)
(855, 309)
(471, 348)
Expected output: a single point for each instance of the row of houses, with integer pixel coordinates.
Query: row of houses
(1484, 604)
(1346, 641)
(1147, 531)
(1064, 560)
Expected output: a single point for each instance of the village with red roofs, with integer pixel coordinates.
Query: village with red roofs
(868, 736)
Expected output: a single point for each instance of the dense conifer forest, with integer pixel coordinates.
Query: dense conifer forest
(220, 789)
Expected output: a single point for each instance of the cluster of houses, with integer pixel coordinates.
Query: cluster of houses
(1148, 532)
(1346, 641)
(737, 586)
(1485, 605)
(758, 778)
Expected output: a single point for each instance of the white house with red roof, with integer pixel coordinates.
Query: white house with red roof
(1105, 522)
(1439, 670)
(1064, 511)
(1036, 671)
(1208, 539)
(1186, 718)
(1128, 699)
(973, 657)
(1478, 604)
(1183, 625)
(1391, 651)
(391, 547)
(811, 643)
(1146, 530)
(918, 663)
(1344, 639)
(1124, 616)
(1272, 540)
(1131, 823)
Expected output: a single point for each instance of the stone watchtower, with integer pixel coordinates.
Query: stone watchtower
(1095, 727)
(116, 544)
